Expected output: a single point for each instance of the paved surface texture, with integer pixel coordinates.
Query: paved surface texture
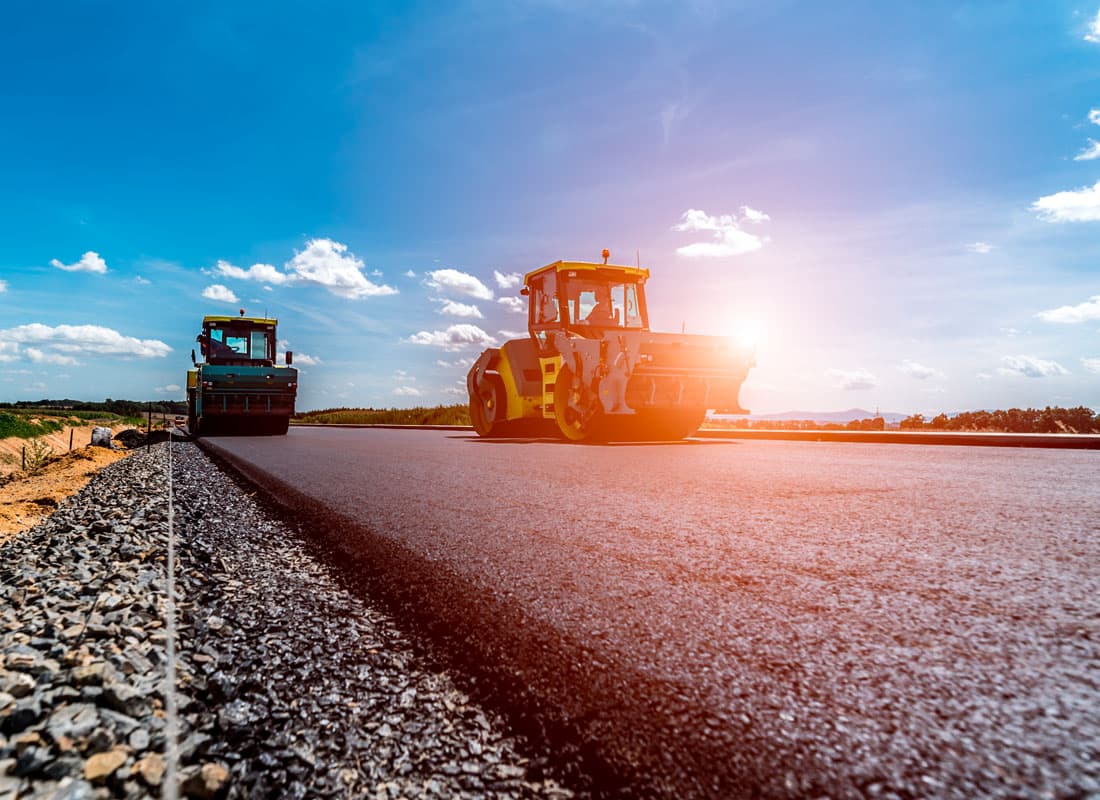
(739, 618)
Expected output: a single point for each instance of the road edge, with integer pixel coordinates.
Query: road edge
(1055, 441)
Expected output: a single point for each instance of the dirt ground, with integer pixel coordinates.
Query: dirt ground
(27, 499)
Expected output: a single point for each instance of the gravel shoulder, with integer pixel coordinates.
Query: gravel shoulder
(288, 684)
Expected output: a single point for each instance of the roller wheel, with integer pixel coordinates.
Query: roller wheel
(688, 421)
(488, 407)
(571, 425)
(267, 426)
(667, 425)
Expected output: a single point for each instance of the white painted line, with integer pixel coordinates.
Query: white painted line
(171, 732)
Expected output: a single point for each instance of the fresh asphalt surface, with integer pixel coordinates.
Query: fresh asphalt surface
(732, 618)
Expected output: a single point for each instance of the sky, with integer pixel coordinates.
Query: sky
(897, 204)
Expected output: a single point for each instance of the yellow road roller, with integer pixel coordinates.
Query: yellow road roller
(591, 369)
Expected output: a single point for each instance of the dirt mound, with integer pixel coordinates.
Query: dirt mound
(133, 438)
(11, 449)
(26, 499)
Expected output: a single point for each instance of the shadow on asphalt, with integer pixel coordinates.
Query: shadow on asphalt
(549, 440)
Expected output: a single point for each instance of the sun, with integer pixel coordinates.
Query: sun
(747, 333)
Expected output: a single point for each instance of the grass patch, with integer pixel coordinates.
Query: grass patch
(34, 422)
(436, 415)
(23, 427)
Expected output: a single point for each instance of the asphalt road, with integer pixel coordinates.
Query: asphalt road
(739, 618)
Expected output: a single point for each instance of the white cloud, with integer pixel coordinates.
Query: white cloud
(1090, 153)
(1030, 367)
(171, 388)
(452, 280)
(264, 273)
(64, 343)
(328, 264)
(753, 216)
(89, 262)
(140, 281)
(1077, 205)
(401, 375)
(305, 360)
(407, 391)
(1094, 116)
(513, 334)
(456, 309)
(1093, 33)
(40, 357)
(455, 390)
(979, 247)
(1082, 312)
(222, 294)
(456, 337)
(514, 304)
(730, 240)
(919, 371)
(464, 363)
(1092, 364)
(410, 274)
(852, 380)
(3, 286)
(509, 281)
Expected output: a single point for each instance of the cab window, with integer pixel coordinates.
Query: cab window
(544, 312)
(259, 345)
(237, 342)
(625, 296)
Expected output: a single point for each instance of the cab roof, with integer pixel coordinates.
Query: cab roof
(257, 320)
(577, 266)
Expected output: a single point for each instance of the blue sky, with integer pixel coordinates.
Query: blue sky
(900, 203)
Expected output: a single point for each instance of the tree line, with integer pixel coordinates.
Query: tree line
(1052, 419)
(123, 408)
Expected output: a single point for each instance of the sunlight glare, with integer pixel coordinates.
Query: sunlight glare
(747, 333)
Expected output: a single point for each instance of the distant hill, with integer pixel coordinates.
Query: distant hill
(839, 417)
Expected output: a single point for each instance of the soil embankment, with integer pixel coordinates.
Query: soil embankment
(26, 499)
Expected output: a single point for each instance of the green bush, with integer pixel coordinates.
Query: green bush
(38, 456)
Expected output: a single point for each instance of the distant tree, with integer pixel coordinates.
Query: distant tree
(1080, 419)
(1047, 422)
(914, 422)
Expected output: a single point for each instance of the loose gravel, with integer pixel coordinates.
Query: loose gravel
(289, 685)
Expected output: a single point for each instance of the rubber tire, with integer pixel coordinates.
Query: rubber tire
(192, 420)
(571, 428)
(485, 415)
